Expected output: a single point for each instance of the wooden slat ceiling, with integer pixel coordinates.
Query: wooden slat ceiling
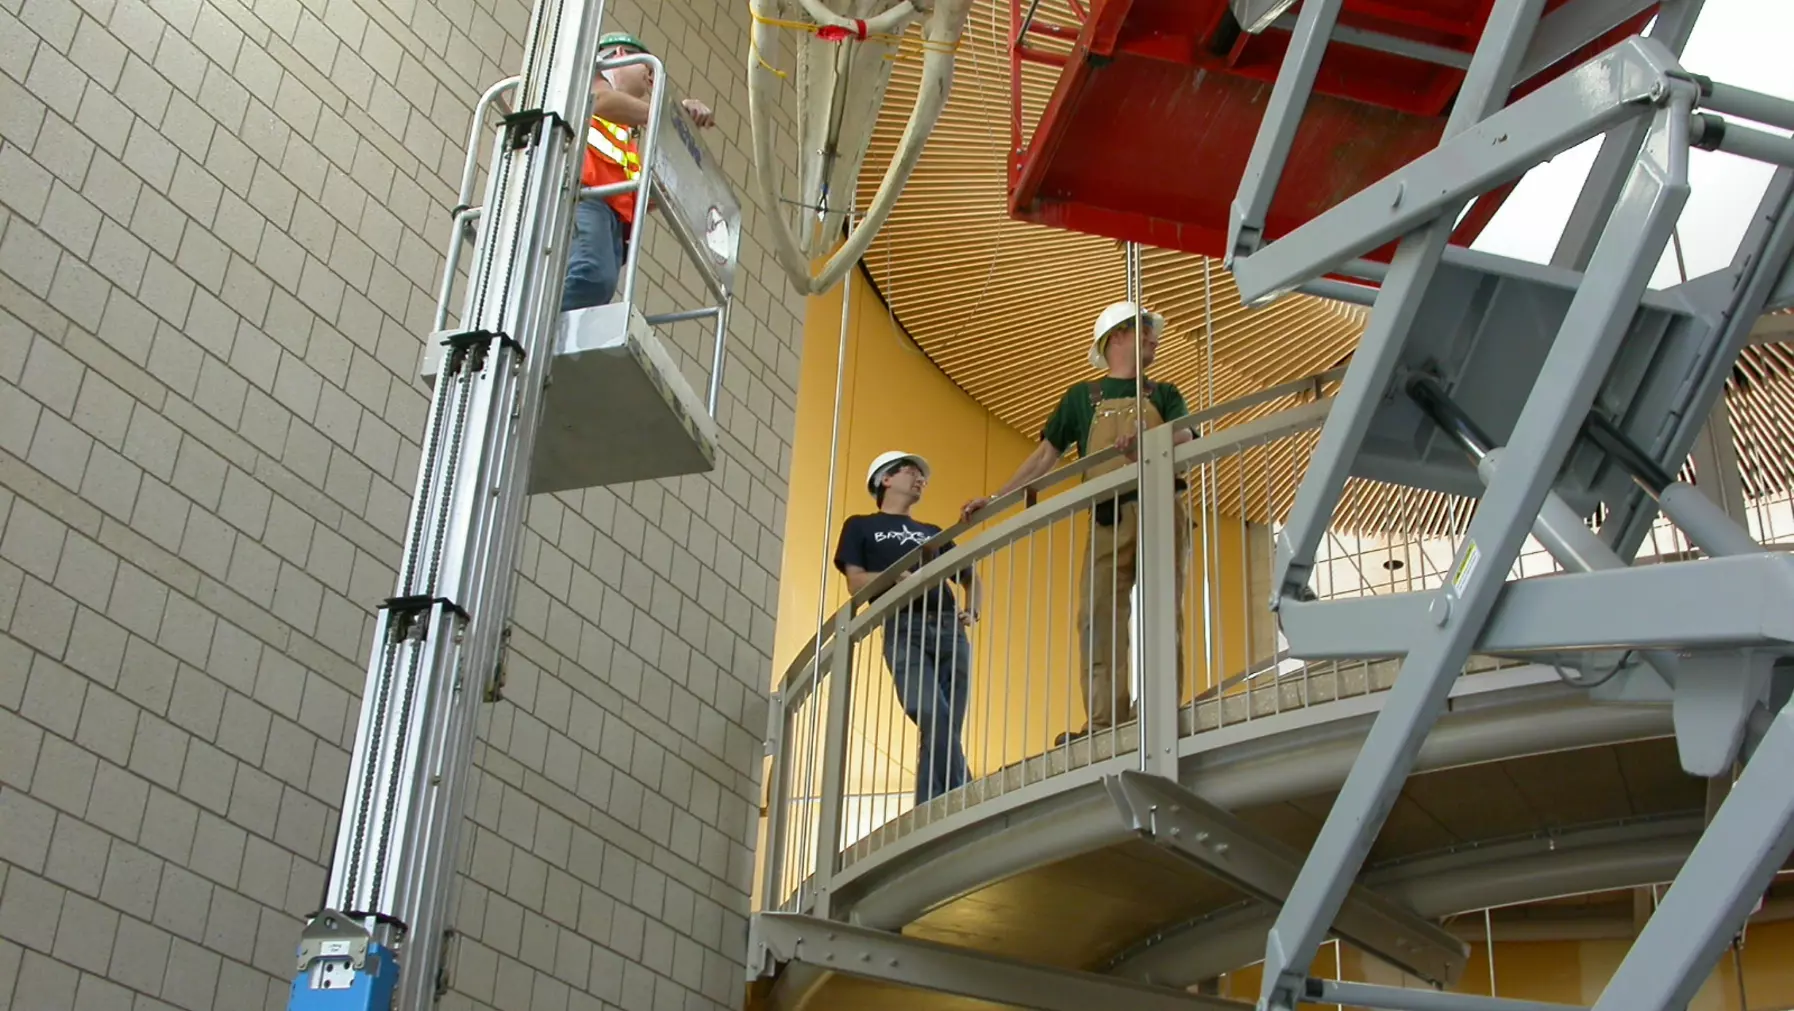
(1004, 308)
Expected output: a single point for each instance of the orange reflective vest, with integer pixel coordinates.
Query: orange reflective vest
(611, 157)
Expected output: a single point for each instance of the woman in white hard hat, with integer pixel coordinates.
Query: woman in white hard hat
(925, 641)
(1094, 416)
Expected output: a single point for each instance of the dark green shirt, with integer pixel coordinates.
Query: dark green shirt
(1071, 420)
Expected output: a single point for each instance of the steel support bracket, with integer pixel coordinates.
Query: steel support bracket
(1621, 84)
(1222, 845)
(1396, 998)
(1713, 702)
(892, 958)
(340, 967)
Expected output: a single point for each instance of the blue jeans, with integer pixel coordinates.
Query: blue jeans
(931, 662)
(595, 260)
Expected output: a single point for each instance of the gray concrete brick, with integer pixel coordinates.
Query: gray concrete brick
(65, 775)
(217, 36)
(132, 881)
(161, 513)
(231, 925)
(139, 956)
(45, 983)
(95, 50)
(78, 292)
(72, 221)
(32, 539)
(106, 121)
(241, 227)
(183, 902)
(85, 933)
(53, 696)
(56, 81)
(169, 825)
(96, 994)
(42, 617)
(119, 256)
(192, 979)
(29, 257)
(181, 63)
(30, 825)
(64, 150)
(159, 751)
(20, 743)
(17, 44)
(112, 483)
(117, 802)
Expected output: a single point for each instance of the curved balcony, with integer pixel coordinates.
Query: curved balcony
(1156, 851)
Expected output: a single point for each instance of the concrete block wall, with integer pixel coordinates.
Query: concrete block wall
(221, 226)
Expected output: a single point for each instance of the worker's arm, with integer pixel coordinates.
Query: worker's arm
(857, 578)
(627, 110)
(1036, 465)
(619, 107)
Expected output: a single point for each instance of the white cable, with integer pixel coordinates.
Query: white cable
(828, 522)
(941, 33)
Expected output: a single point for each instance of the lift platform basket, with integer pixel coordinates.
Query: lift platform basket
(617, 408)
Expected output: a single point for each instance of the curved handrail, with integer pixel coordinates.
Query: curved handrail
(799, 670)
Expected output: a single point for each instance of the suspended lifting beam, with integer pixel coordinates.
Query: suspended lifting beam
(1552, 393)
(794, 939)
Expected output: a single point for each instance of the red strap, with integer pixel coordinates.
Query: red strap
(835, 33)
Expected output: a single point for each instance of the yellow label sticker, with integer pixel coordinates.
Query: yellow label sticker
(1466, 567)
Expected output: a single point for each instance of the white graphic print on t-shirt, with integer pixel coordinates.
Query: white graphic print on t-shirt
(908, 536)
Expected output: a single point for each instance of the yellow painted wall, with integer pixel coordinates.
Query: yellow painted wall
(892, 397)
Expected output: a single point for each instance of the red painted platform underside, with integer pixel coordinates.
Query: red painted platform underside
(1155, 111)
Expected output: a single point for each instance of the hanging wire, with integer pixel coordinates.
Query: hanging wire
(1738, 965)
(828, 522)
(1489, 941)
(1135, 657)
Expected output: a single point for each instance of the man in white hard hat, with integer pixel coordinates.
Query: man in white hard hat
(1094, 416)
(925, 640)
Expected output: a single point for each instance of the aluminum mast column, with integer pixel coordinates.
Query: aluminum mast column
(378, 942)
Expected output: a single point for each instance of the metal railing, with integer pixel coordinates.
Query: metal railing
(899, 716)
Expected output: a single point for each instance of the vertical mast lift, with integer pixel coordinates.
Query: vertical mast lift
(1552, 393)
(525, 399)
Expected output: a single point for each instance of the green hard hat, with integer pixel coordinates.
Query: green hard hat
(612, 40)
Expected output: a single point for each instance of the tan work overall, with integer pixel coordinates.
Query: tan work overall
(1105, 605)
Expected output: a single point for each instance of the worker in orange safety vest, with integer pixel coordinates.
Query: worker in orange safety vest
(620, 98)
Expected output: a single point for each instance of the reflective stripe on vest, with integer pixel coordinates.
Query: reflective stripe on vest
(612, 141)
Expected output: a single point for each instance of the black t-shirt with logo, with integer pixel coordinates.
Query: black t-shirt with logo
(877, 541)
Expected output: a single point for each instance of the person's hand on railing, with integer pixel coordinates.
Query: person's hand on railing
(1125, 444)
(699, 112)
(966, 511)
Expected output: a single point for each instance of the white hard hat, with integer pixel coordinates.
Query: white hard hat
(1112, 317)
(887, 460)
